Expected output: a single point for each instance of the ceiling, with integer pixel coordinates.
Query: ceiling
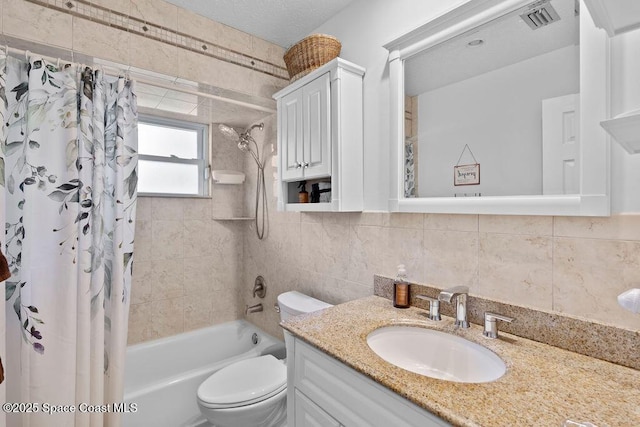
(506, 41)
(282, 22)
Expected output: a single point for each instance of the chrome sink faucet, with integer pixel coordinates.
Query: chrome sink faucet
(459, 293)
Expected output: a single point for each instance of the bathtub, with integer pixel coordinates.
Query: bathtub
(162, 376)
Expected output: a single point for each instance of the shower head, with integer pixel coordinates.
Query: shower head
(243, 139)
(246, 135)
(228, 131)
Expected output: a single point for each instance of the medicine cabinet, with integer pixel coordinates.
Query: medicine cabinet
(451, 81)
(320, 139)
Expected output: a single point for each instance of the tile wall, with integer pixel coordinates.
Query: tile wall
(187, 265)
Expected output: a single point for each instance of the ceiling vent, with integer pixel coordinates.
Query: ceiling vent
(540, 16)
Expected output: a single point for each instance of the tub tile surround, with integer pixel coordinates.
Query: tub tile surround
(189, 277)
(594, 339)
(188, 265)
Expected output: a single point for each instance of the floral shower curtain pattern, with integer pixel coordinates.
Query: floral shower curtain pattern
(69, 171)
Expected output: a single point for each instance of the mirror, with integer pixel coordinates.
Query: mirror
(489, 116)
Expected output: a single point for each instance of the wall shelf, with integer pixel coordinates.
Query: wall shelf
(238, 218)
(310, 207)
(226, 177)
(625, 129)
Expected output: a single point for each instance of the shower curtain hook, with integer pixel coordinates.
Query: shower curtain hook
(27, 54)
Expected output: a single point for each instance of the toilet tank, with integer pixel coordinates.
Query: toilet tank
(294, 303)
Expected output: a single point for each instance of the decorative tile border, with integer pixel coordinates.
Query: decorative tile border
(592, 339)
(101, 15)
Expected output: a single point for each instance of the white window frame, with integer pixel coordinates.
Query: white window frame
(203, 153)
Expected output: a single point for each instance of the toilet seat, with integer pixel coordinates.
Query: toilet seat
(244, 383)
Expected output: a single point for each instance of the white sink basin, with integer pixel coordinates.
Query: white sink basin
(436, 354)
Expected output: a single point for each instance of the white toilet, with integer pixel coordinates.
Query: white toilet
(253, 392)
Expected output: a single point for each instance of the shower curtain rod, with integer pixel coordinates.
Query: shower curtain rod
(113, 71)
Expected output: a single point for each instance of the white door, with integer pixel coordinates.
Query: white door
(317, 128)
(291, 136)
(561, 145)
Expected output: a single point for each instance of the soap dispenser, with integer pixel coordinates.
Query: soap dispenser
(401, 289)
(303, 194)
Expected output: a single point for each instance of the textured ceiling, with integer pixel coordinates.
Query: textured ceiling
(282, 22)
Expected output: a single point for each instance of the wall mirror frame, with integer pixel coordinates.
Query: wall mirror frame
(594, 196)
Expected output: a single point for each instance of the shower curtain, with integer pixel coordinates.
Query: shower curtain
(68, 175)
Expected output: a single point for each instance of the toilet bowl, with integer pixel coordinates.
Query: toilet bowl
(253, 392)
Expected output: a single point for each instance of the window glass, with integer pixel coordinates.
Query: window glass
(157, 140)
(173, 157)
(161, 177)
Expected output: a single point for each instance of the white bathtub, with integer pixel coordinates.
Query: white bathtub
(162, 376)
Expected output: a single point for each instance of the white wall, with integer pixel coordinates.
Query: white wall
(366, 25)
(625, 96)
(499, 115)
(363, 28)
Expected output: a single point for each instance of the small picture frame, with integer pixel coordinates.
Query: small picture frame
(466, 174)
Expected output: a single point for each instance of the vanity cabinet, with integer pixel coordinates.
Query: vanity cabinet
(322, 391)
(320, 138)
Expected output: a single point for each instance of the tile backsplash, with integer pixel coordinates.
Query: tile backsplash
(334, 258)
(588, 337)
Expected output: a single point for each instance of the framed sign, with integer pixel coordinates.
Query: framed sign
(466, 174)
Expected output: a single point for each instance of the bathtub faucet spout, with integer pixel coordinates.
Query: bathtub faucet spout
(253, 308)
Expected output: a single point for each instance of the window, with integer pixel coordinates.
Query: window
(172, 157)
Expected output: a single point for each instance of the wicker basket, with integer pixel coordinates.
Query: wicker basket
(310, 53)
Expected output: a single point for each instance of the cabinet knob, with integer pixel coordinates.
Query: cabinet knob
(298, 165)
(305, 165)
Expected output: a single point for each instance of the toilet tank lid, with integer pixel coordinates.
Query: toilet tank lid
(295, 301)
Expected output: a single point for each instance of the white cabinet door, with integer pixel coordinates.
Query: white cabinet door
(308, 414)
(347, 396)
(291, 136)
(316, 154)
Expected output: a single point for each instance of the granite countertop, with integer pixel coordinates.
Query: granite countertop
(543, 385)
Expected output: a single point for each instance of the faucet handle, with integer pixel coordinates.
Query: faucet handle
(460, 289)
(490, 323)
(448, 294)
(434, 306)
